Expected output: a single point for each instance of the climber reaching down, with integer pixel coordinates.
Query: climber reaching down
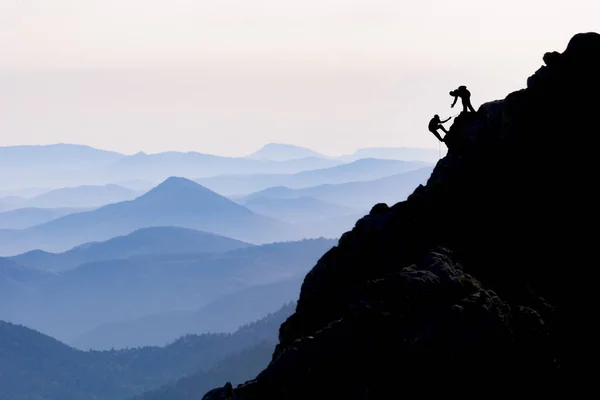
(465, 97)
(436, 124)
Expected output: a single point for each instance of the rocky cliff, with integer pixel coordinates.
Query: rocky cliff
(485, 276)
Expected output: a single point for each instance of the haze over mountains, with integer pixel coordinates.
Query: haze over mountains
(352, 194)
(223, 315)
(361, 170)
(145, 241)
(37, 366)
(22, 218)
(122, 289)
(107, 251)
(66, 165)
(175, 202)
(79, 196)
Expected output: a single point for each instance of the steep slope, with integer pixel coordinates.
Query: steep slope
(353, 194)
(224, 314)
(22, 218)
(102, 292)
(483, 278)
(283, 152)
(147, 241)
(175, 202)
(360, 170)
(35, 366)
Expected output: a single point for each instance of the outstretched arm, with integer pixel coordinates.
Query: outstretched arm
(446, 120)
(455, 100)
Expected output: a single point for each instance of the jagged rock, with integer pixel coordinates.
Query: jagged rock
(485, 276)
(224, 393)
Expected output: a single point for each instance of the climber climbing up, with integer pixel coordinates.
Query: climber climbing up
(436, 124)
(465, 97)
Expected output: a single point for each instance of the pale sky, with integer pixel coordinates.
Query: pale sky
(227, 76)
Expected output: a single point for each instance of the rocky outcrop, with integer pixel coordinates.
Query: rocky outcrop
(484, 276)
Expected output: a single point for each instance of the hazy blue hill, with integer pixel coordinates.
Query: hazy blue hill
(22, 218)
(50, 165)
(365, 169)
(17, 283)
(82, 196)
(10, 203)
(146, 241)
(35, 366)
(19, 273)
(175, 202)
(162, 165)
(64, 165)
(136, 184)
(298, 209)
(224, 314)
(24, 192)
(394, 153)
(360, 170)
(333, 227)
(283, 152)
(61, 154)
(361, 195)
(236, 368)
(97, 293)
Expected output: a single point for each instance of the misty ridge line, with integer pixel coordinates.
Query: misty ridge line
(59, 166)
(257, 154)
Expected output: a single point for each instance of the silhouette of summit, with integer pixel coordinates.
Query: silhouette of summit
(483, 281)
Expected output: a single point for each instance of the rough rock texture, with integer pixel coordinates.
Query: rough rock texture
(482, 278)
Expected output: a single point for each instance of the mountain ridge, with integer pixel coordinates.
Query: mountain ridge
(470, 281)
(175, 202)
(34, 364)
(353, 194)
(362, 170)
(144, 241)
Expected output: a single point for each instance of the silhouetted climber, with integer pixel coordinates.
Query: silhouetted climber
(436, 124)
(465, 97)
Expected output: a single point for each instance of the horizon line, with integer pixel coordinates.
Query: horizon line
(212, 154)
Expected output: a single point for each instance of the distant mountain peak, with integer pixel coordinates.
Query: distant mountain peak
(177, 183)
(284, 152)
